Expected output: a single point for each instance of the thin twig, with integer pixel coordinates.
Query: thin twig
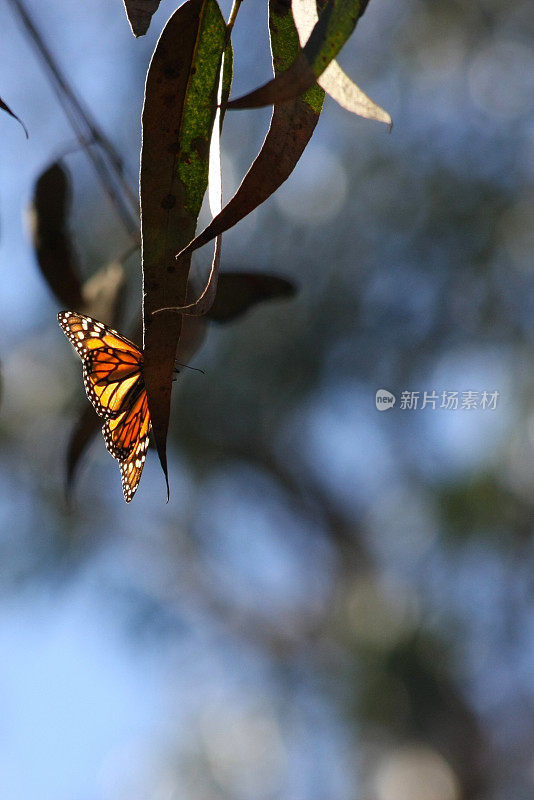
(86, 131)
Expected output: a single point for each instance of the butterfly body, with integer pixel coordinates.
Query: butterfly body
(114, 383)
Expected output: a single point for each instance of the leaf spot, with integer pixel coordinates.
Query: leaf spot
(171, 71)
(168, 202)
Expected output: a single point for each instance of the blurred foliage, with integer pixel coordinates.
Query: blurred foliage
(347, 594)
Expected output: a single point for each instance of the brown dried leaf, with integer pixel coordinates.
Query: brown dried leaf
(288, 85)
(139, 13)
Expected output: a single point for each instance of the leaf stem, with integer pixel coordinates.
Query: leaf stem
(233, 14)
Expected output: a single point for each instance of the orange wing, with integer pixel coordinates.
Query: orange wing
(112, 365)
(126, 438)
(113, 379)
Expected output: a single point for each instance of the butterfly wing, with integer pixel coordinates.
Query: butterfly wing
(126, 438)
(113, 379)
(112, 365)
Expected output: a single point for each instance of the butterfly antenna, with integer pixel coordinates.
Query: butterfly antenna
(195, 369)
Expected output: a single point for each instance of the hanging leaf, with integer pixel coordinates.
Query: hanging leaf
(178, 115)
(139, 13)
(48, 217)
(205, 300)
(334, 80)
(336, 23)
(292, 125)
(237, 292)
(4, 107)
(56, 255)
(345, 92)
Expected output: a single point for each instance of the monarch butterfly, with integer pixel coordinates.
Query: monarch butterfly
(114, 382)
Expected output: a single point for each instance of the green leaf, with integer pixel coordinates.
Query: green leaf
(336, 23)
(334, 80)
(204, 302)
(178, 114)
(290, 130)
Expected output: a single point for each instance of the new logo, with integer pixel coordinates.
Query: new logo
(384, 400)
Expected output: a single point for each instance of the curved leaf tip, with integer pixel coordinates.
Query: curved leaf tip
(4, 106)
